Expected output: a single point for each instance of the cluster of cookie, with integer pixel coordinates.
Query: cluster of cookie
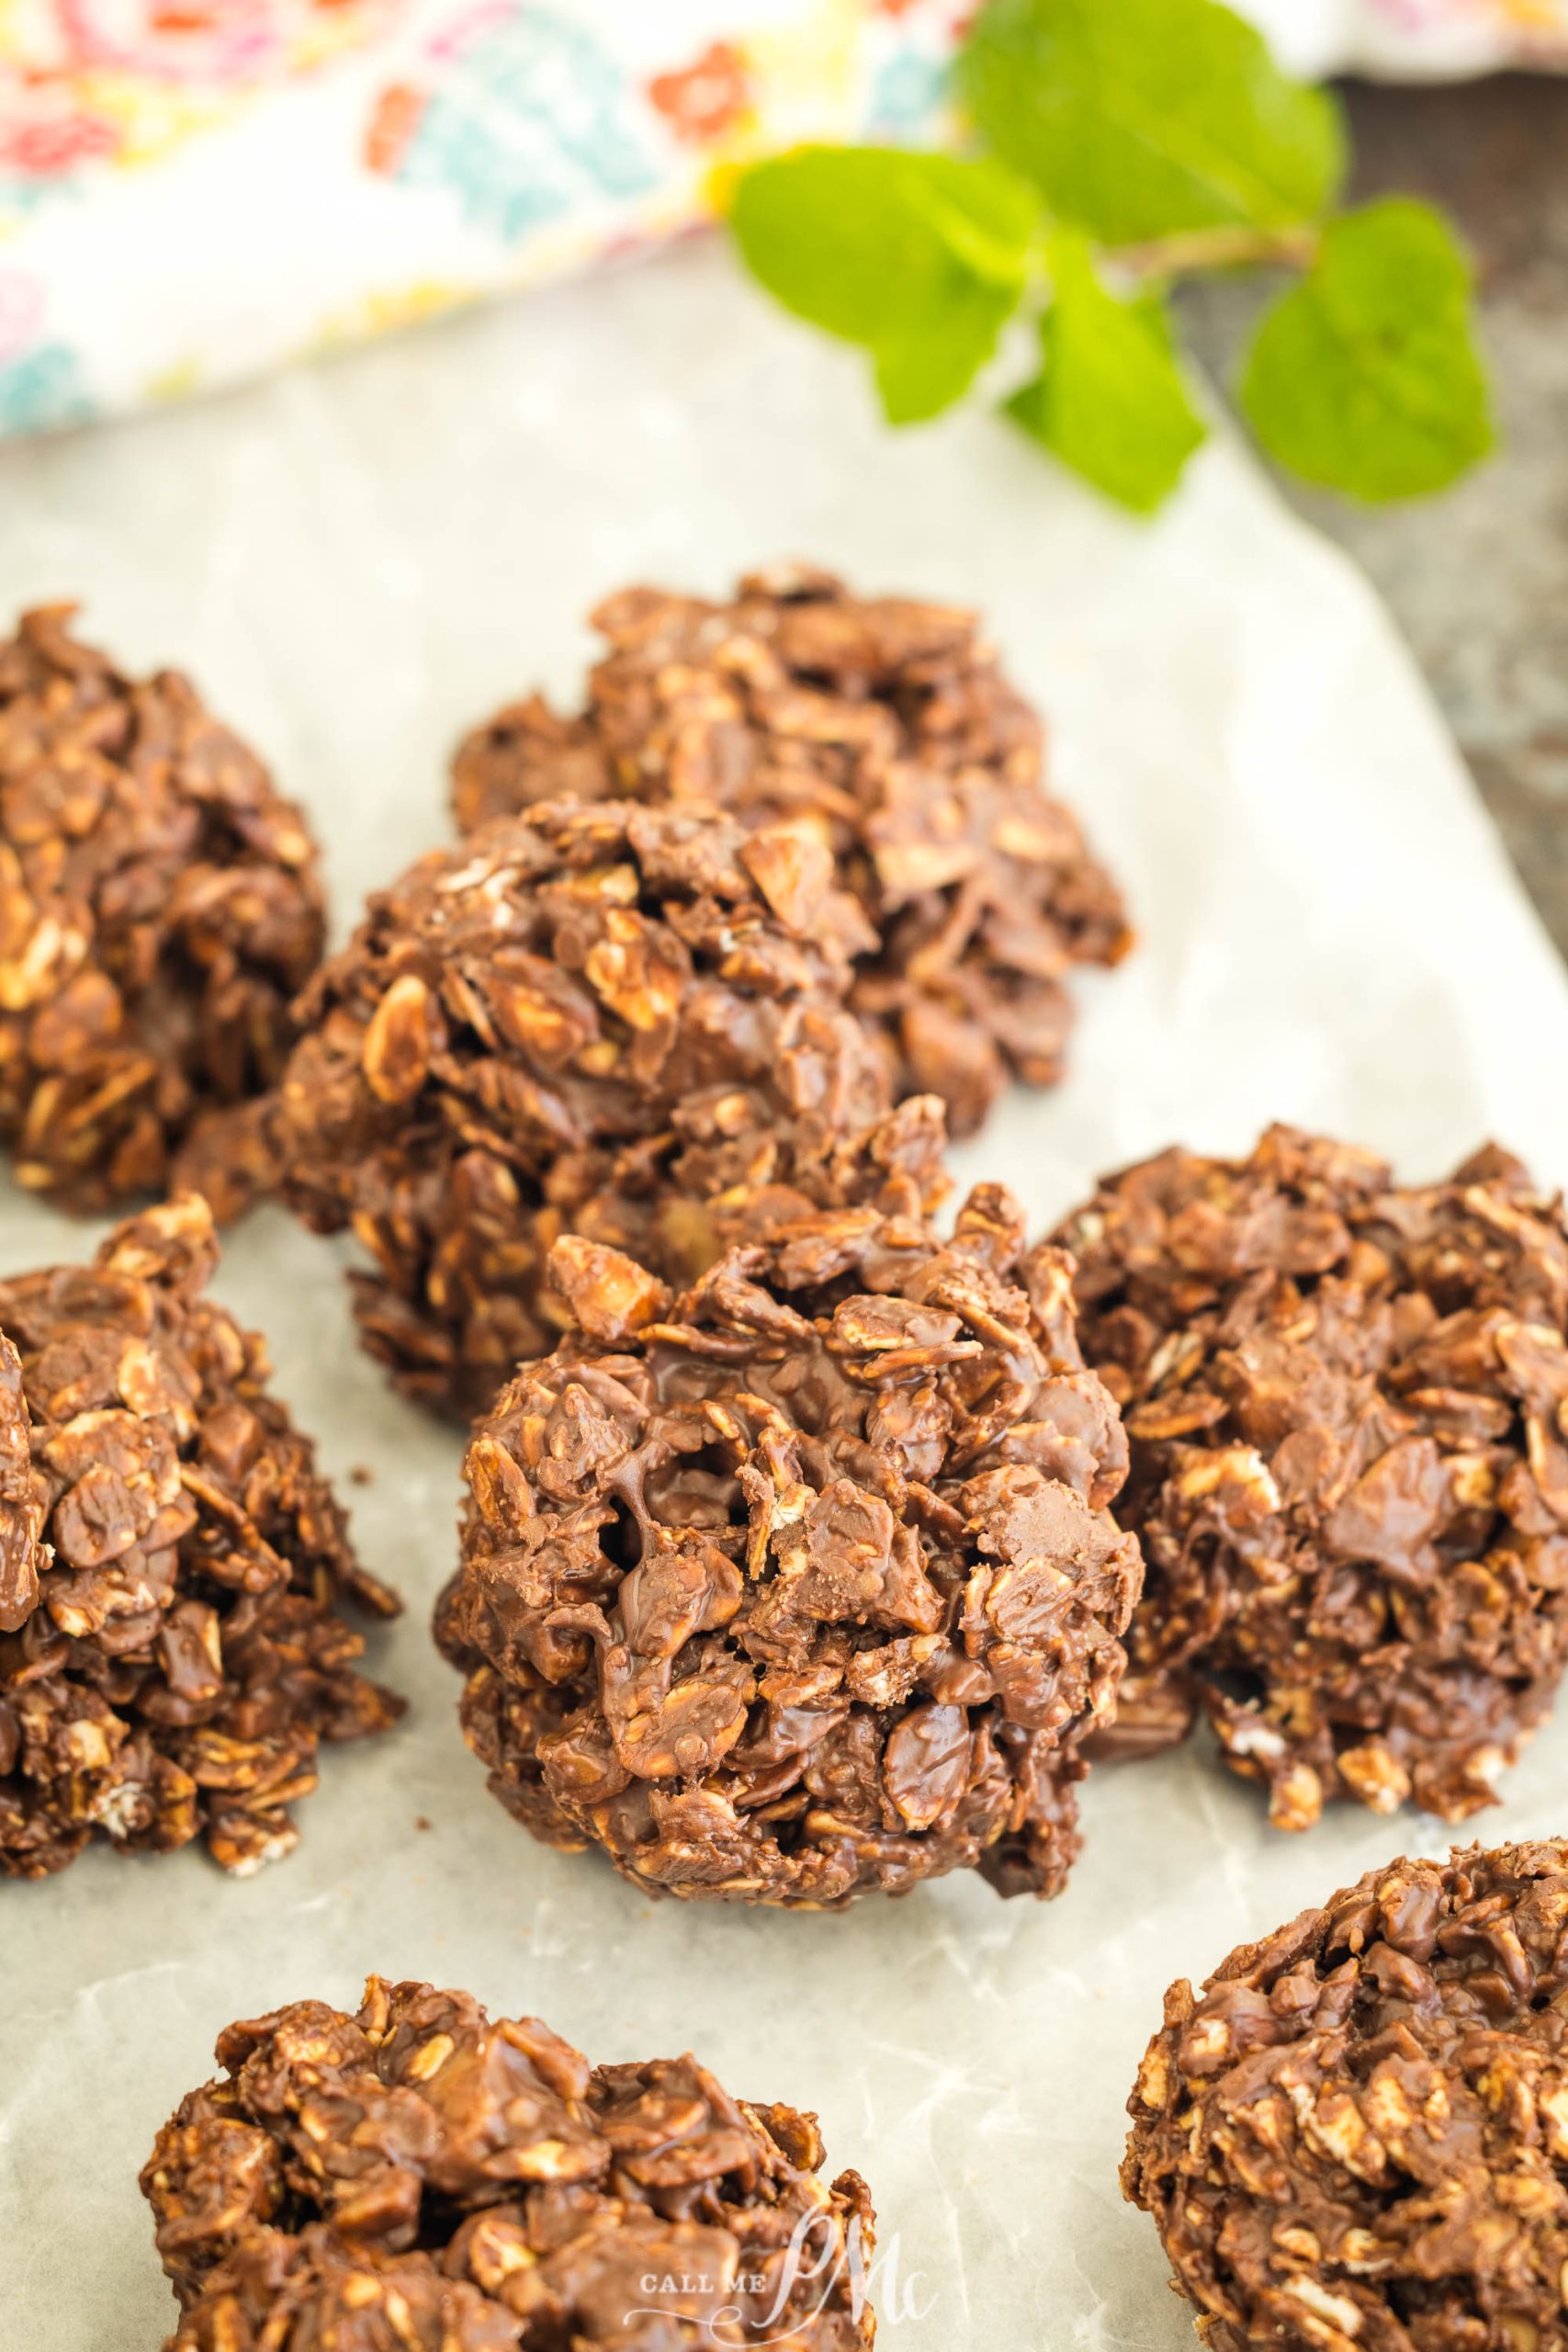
(1352, 2138)
(630, 1088)
(790, 1565)
(807, 1549)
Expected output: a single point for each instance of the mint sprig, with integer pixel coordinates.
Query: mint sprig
(1115, 150)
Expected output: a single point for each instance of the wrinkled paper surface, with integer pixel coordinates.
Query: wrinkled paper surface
(355, 563)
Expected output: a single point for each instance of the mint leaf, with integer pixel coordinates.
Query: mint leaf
(1109, 400)
(920, 373)
(1139, 118)
(1364, 377)
(919, 259)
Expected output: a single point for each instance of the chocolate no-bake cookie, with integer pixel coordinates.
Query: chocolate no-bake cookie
(1347, 1404)
(170, 1562)
(885, 727)
(804, 1582)
(1355, 2139)
(419, 2178)
(622, 1021)
(160, 907)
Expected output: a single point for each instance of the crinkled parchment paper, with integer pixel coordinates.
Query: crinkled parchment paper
(357, 561)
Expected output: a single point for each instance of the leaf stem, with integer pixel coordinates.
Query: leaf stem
(1220, 248)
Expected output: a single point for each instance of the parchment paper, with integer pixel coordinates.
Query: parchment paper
(357, 561)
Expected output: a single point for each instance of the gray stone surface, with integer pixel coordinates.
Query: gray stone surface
(1478, 579)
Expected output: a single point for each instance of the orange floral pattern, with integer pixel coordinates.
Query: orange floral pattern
(703, 100)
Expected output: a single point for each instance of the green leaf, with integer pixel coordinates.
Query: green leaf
(1364, 376)
(1139, 118)
(919, 259)
(1109, 400)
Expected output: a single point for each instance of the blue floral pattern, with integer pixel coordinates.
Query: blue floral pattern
(528, 120)
(41, 390)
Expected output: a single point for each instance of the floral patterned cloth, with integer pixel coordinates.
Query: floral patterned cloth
(193, 190)
(1413, 37)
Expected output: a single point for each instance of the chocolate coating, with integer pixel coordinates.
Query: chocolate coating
(1346, 1401)
(171, 1650)
(160, 905)
(885, 727)
(1354, 2138)
(417, 2178)
(620, 1021)
(804, 1582)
